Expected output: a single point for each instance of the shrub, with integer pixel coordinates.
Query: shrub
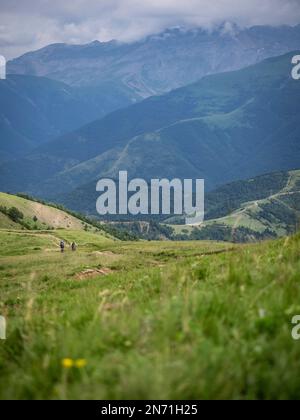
(15, 214)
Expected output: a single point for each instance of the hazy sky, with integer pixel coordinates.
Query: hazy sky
(31, 24)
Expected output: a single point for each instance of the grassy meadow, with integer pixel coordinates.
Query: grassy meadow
(147, 320)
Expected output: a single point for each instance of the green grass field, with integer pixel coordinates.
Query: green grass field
(191, 320)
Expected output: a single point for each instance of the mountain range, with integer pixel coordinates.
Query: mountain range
(160, 62)
(90, 81)
(225, 127)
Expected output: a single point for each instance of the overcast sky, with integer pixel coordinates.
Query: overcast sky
(30, 24)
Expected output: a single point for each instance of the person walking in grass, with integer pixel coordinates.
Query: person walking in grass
(62, 246)
(74, 246)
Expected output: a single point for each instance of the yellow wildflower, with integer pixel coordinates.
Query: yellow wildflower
(67, 363)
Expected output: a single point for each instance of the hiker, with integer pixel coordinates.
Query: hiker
(62, 246)
(74, 246)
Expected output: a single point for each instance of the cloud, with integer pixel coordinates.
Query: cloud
(30, 24)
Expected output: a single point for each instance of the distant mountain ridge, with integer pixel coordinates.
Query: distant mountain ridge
(160, 62)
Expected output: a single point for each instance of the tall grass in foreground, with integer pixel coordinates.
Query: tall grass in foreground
(171, 321)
